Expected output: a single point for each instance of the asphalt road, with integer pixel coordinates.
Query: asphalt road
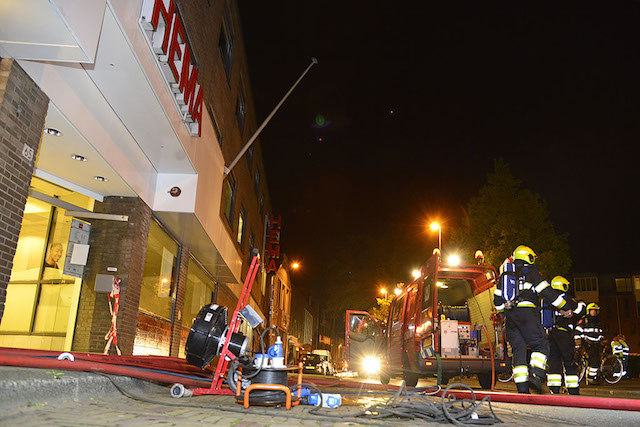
(624, 389)
(152, 405)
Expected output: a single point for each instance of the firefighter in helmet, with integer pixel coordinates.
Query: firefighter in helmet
(522, 314)
(589, 331)
(560, 336)
(621, 349)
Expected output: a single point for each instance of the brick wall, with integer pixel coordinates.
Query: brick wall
(113, 244)
(23, 107)
(203, 22)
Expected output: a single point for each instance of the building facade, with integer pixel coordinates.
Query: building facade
(117, 121)
(618, 296)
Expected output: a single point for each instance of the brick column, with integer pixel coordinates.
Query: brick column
(23, 107)
(181, 287)
(113, 244)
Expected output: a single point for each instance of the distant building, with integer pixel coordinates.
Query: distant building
(302, 328)
(117, 120)
(619, 298)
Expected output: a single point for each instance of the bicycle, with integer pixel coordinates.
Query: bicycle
(610, 369)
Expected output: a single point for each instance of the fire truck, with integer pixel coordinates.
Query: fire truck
(441, 324)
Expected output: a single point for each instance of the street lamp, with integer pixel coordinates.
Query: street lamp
(436, 226)
(295, 265)
(415, 274)
(398, 291)
(383, 291)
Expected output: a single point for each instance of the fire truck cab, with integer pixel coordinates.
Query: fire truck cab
(439, 325)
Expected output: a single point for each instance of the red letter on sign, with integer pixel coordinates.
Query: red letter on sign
(175, 54)
(168, 16)
(188, 79)
(275, 222)
(274, 236)
(273, 251)
(196, 114)
(271, 268)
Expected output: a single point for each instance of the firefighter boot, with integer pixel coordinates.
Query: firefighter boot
(554, 389)
(574, 391)
(535, 382)
(523, 387)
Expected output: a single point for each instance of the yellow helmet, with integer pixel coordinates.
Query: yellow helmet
(560, 283)
(524, 253)
(592, 306)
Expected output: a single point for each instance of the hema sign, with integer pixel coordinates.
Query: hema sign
(165, 34)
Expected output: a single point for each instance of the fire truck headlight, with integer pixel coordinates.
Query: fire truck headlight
(454, 260)
(371, 365)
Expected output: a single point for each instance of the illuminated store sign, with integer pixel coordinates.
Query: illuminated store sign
(166, 36)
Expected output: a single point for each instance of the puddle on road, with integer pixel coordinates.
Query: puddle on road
(364, 400)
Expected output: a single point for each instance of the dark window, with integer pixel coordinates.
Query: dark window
(240, 109)
(262, 205)
(585, 284)
(225, 44)
(229, 198)
(214, 122)
(623, 284)
(252, 242)
(256, 182)
(250, 157)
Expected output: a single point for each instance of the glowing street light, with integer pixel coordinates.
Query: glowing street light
(436, 226)
(415, 274)
(295, 265)
(398, 291)
(383, 291)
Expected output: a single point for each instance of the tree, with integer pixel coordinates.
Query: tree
(505, 215)
(381, 312)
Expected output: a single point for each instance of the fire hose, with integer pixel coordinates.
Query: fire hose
(170, 378)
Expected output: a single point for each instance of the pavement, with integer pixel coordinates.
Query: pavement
(30, 396)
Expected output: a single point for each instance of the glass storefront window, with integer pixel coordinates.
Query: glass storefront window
(198, 293)
(39, 296)
(159, 265)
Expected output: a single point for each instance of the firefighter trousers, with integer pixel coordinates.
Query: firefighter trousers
(561, 354)
(594, 349)
(524, 329)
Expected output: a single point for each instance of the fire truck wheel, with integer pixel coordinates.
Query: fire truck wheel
(410, 378)
(384, 378)
(485, 380)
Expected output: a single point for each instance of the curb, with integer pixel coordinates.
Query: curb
(22, 387)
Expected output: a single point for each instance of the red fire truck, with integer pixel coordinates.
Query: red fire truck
(439, 325)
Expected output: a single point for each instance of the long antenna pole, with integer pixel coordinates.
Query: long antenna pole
(257, 132)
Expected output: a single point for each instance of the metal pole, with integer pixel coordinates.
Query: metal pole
(440, 239)
(257, 132)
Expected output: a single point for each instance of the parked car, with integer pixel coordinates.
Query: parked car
(326, 356)
(317, 364)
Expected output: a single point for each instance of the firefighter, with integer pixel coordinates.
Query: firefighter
(522, 315)
(561, 346)
(589, 331)
(621, 349)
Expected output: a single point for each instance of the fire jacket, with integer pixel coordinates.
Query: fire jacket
(532, 287)
(589, 329)
(568, 324)
(620, 348)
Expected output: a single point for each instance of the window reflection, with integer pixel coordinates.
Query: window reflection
(159, 264)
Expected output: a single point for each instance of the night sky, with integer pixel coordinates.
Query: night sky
(417, 100)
